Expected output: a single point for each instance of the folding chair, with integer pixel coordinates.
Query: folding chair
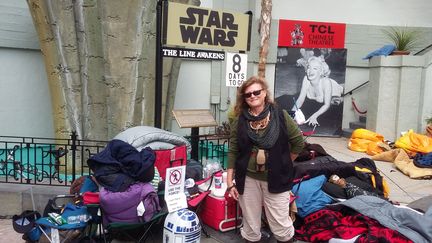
(137, 232)
(76, 217)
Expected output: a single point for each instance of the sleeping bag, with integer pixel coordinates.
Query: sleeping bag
(121, 207)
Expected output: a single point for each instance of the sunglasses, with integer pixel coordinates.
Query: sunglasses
(255, 93)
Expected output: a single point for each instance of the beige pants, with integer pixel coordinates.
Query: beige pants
(276, 206)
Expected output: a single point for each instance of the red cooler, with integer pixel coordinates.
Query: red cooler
(220, 213)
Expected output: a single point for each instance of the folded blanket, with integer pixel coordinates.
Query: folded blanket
(383, 51)
(402, 161)
(155, 138)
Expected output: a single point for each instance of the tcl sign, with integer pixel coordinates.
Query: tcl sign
(308, 34)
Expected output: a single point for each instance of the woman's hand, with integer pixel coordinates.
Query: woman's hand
(312, 121)
(232, 191)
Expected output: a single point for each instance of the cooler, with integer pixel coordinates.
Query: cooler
(220, 213)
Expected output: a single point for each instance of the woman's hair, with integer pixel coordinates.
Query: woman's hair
(241, 101)
(325, 70)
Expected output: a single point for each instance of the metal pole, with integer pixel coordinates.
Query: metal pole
(194, 142)
(159, 70)
(73, 148)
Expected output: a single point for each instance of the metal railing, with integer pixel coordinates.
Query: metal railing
(213, 147)
(45, 161)
(58, 162)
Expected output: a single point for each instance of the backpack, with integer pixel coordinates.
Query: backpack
(194, 170)
(366, 170)
(423, 160)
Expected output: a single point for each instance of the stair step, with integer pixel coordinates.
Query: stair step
(362, 119)
(355, 125)
(346, 132)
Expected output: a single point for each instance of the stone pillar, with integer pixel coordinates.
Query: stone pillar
(394, 94)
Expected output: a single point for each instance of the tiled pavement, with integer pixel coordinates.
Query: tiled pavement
(402, 189)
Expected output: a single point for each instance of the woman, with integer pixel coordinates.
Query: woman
(264, 141)
(319, 87)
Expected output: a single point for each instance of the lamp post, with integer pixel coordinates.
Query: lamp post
(159, 67)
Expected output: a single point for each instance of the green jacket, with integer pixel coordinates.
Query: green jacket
(295, 138)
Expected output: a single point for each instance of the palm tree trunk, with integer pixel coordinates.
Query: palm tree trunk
(264, 29)
(99, 59)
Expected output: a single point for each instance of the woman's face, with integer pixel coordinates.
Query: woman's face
(255, 101)
(313, 70)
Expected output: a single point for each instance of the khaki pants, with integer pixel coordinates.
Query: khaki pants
(276, 206)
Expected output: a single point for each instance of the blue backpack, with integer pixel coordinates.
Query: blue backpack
(423, 160)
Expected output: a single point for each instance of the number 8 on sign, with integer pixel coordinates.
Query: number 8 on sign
(236, 67)
(236, 63)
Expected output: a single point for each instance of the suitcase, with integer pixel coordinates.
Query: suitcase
(220, 213)
(166, 158)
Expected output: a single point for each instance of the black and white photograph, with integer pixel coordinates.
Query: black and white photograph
(311, 82)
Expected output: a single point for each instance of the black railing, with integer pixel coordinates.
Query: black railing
(45, 161)
(356, 88)
(213, 147)
(58, 162)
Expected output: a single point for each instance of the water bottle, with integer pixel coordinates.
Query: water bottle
(218, 180)
(73, 219)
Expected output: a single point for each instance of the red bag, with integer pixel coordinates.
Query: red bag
(167, 158)
(91, 198)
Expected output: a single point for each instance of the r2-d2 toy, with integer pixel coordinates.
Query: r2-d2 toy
(182, 226)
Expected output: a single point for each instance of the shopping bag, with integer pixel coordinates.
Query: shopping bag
(299, 117)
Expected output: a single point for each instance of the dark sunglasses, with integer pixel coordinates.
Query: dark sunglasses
(255, 93)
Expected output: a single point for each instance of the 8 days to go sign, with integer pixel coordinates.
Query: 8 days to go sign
(236, 68)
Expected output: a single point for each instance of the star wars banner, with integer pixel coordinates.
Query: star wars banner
(308, 34)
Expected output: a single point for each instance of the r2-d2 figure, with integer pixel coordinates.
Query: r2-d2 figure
(182, 226)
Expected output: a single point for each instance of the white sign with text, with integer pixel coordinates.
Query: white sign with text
(175, 197)
(236, 68)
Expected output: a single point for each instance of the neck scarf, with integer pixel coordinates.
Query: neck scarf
(270, 134)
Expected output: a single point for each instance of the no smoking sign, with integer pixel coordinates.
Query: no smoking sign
(175, 177)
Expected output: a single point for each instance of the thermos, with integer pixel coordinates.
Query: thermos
(218, 180)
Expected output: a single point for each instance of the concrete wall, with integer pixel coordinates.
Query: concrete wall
(426, 92)
(24, 95)
(16, 25)
(395, 95)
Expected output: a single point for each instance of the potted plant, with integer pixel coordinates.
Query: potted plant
(429, 126)
(403, 38)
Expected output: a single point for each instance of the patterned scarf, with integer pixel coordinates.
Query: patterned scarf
(268, 138)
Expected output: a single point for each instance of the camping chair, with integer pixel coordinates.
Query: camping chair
(137, 232)
(75, 217)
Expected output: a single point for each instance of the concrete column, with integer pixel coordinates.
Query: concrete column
(394, 94)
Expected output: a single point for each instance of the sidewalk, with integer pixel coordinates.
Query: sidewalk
(402, 189)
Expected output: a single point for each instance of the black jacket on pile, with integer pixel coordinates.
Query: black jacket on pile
(120, 165)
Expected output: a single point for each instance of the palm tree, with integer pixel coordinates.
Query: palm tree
(264, 30)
